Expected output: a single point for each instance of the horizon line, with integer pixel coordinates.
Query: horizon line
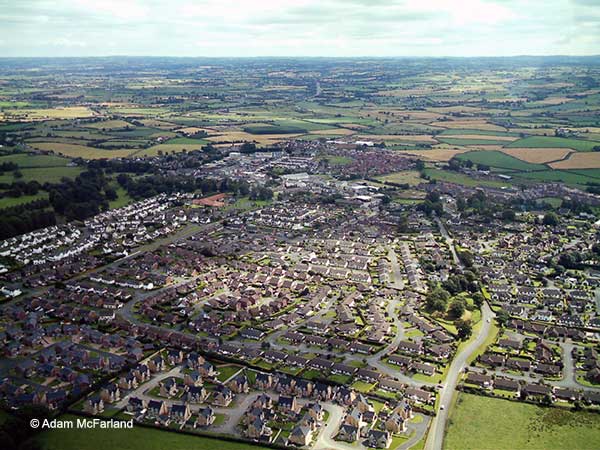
(307, 56)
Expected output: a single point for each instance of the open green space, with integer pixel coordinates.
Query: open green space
(479, 422)
(460, 178)
(42, 174)
(555, 142)
(137, 438)
(499, 160)
(27, 160)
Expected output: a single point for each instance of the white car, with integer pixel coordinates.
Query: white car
(442, 407)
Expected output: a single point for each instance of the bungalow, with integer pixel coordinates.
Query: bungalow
(511, 344)
(518, 364)
(252, 333)
(419, 395)
(414, 348)
(507, 385)
(548, 369)
(480, 380)
(342, 369)
(440, 351)
(399, 360)
(391, 385)
(570, 395)
(357, 347)
(368, 375)
(320, 364)
(491, 359)
(537, 390)
(591, 397)
(426, 369)
(297, 361)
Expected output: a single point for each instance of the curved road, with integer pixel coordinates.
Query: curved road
(438, 424)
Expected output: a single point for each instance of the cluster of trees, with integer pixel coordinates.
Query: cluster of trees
(444, 299)
(82, 197)
(121, 166)
(457, 164)
(19, 188)
(461, 282)
(432, 204)
(25, 218)
(151, 185)
(8, 166)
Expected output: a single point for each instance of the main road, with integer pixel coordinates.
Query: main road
(435, 437)
(438, 424)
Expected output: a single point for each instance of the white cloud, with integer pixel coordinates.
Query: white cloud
(299, 27)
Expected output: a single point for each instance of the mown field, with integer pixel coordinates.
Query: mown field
(549, 142)
(479, 422)
(135, 439)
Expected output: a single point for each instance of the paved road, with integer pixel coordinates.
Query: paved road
(449, 241)
(397, 271)
(438, 425)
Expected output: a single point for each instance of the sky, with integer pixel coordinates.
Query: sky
(223, 28)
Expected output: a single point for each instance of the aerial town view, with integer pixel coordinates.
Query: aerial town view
(271, 225)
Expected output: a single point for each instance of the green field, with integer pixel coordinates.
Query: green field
(558, 175)
(459, 178)
(479, 422)
(554, 142)
(410, 177)
(42, 174)
(7, 202)
(499, 160)
(274, 129)
(455, 141)
(136, 439)
(459, 131)
(25, 160)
